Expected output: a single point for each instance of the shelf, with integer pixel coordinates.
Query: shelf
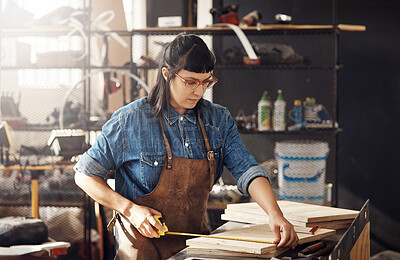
(329, 131)
(36, 167)
(273, 67)
(44, 31)
(259, 67)
(36, 67)
(222, 67)
(63, 30)
(24, 203)
(252, 29)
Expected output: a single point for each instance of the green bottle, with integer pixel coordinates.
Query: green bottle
(264, 113)
(279, 122)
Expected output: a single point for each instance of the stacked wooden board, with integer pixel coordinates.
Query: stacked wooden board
(299, 214)
(223, 247)
(302, 216)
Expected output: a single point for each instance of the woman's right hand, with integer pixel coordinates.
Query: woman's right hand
(142, 218)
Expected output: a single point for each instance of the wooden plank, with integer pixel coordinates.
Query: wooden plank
(193, 251)
(296, 211)
(259, 219)
(361, 249)
(352, 27)
(259, 232)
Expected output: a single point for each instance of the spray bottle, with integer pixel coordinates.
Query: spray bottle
(279, 113)
(264, 113)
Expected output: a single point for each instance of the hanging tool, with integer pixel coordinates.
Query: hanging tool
(160, 220)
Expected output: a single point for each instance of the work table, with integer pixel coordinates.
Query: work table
(351, 243)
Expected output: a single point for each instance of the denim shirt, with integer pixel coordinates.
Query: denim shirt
(131, 143)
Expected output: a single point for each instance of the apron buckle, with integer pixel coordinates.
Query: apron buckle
(210, 155)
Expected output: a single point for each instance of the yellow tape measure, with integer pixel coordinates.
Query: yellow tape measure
(160, 220)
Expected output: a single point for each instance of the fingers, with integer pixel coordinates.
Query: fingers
(146, 228)
(156, 224)
(289, 237)
(277, 233)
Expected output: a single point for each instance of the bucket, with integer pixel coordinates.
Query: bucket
(301, 170)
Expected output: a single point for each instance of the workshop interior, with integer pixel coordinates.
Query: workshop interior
(313, 86)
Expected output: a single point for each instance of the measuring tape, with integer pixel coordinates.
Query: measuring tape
(160, 220)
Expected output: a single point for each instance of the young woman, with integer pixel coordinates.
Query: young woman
(168, 149)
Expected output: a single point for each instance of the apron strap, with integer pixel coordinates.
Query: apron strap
(210, 153)
(167, 146)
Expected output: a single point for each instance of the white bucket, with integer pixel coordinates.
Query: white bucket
(301, 167)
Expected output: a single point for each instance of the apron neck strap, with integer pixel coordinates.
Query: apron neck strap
(167, 146)
(210, 153)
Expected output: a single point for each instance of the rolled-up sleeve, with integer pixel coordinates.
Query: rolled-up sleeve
(90, 166)
(239, 161)
(106, 153)
(247, 177)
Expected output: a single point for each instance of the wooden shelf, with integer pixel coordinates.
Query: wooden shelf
(263, 27)
(328, 131)
(36, 168)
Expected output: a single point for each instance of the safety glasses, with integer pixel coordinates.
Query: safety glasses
(194, 83)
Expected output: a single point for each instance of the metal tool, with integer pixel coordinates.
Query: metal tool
(313, 248)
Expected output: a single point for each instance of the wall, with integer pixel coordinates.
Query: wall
(369, 104)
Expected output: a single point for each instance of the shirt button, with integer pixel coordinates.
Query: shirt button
(181, 118)
(186, 144)
(155, 163)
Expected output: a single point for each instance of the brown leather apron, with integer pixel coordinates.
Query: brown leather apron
(181, 196)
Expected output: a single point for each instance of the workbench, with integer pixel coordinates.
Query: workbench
(352, 243)
(36, 170)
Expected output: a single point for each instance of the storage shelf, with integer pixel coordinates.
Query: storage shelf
(22, 203)
(329, 131)
(265, 28)
(261, 67)
(36, 67)
(273, 67)
(36, 31)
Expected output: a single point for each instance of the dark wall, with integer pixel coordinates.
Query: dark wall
(369, 106)
(368, 103)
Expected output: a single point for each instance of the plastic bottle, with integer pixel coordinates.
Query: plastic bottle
(264, 113)
(298, 117)
(279, 113)
(310, 111)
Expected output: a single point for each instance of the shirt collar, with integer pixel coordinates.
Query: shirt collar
(190, 115)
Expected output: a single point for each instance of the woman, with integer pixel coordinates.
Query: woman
(168, 149)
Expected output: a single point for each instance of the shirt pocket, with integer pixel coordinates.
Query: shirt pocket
(214, 136)
(151, 165)
(215, 139)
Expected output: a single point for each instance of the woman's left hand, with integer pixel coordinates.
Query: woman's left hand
(288, 237)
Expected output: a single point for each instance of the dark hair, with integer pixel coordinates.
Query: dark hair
(188, 52)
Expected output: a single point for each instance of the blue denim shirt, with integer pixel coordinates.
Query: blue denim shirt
(131, 143)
